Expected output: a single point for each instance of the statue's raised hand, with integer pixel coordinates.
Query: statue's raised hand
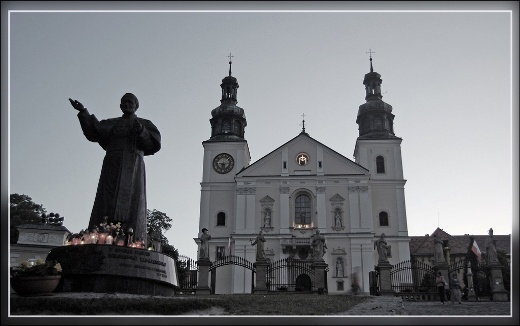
(77, 105)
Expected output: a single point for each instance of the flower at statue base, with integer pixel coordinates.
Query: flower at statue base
(36, 268)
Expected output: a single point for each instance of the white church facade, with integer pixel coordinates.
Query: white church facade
(299, 188)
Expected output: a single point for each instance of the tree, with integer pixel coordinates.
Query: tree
(158, 223)
(23, 211)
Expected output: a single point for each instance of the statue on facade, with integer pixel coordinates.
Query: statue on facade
(267, 219)
(121, 191)
(259, 242)
(204, 244)
(337, 220)
(318, 245)
(339, 268)
(438, 251)
(382, 248)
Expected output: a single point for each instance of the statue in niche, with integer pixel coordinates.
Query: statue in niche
(267, 218)
(121, 191)
(337, 219)
(339, 267)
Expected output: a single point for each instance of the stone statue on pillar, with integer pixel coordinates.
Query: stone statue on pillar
(491, 249)
(382, 248)
(438, 251)
(259, 242)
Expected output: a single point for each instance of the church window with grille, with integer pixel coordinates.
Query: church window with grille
(302, 212)
(221, 219)
(383, 219)
(380, 164)
(221, 252)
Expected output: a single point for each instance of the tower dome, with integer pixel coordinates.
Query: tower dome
(228, 121)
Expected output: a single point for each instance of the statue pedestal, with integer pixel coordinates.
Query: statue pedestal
(261, 277)
(114, 269)
(202, 283)
(385, 282)
(498, 293)
(319, 266)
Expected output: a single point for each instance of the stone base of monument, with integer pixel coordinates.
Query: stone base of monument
(114, 269)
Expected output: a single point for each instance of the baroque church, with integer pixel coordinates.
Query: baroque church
(300, 188)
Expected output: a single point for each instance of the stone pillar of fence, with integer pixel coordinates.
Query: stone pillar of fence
(498, 293)
(202, 284)
(261, 277)
(319, 267)
(385, 282)
(471, 288)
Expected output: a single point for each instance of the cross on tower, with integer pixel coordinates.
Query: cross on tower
(370, 52)
(230, 56)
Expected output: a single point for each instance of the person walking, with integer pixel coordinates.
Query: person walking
(441, 283)
(455, 289)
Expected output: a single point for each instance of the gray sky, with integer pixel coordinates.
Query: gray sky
(448, 76)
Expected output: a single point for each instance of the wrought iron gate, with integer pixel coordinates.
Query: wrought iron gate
(187, 270)
(290, 275)
(231, 260)
(413, 276)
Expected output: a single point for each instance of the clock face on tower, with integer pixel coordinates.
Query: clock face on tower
(223, 163)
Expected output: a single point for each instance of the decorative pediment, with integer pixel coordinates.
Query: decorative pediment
(337, 198)
(338, 251)
(267, 200)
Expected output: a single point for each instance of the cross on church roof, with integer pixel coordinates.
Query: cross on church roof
(303, 122)
(370, 52)
(230, 56)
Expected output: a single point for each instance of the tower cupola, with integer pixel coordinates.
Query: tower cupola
(228, 120)
(375, 118)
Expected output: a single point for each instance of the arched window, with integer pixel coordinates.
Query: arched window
(221, 219)
(380, 164)
(302, 213)
(383, 219)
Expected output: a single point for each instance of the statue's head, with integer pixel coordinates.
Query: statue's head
(129, 103)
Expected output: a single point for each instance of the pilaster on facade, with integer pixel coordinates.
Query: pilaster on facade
(360, 210)
(285, 221)
(321, 208)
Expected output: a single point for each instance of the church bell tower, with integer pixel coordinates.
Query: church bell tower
(379, 150)
(226, 153)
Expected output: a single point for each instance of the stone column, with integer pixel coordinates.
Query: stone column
(202, 283)
(498, 293)
(471, 290)
(319, 266)
(385, 282)
(261, 277)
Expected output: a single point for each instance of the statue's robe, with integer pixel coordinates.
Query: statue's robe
(121, 191)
